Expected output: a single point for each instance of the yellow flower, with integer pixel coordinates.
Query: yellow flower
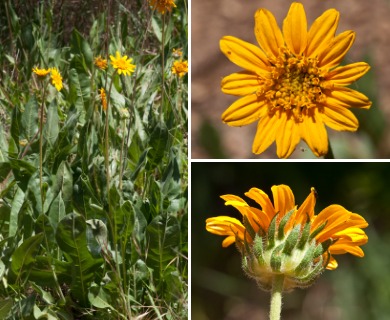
(122, 64)
(177, 53)
(162, 5)
(292, 84)
(180, 68)
(100, 63)
(103, 98)
(280, 238)
(56, 78)
(41, 73)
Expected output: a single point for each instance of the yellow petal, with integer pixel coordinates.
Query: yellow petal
(345, 248)
(295, 28)
(265, 134)
(263, 200)
(337, 49)
(340, 118)
(244, 111)
(244, 54)
(345, 75)
(321, 32)
(307, 208)
(240, 84)
(332, 263)
(287, 137)
(284, 199)
(313, 131)
(347, 98)
(268, 33)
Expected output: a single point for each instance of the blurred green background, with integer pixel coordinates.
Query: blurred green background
(358, 289)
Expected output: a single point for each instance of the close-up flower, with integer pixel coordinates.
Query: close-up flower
(292, 84)
(180, 68)
(100, 63)
(280, 239)
(103, 98)
(122, 64)
(162, 5)
(41, 73)
(56, 78)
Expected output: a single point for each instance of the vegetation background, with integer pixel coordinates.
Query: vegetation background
(358, 289)
(76, 242)
(213, 19)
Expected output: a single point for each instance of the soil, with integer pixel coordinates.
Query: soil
(213, 19)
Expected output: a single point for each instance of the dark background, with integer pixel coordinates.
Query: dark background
(358, 289)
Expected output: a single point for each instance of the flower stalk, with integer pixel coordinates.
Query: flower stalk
(276, 297)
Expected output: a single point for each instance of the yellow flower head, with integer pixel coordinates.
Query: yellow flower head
(292, 85)
(177, 53)
(280, 238)
(122, 64)
(180, 68)
(41, 73)
(100, 63)
(56, 78)
(162, 5)
(103, 98)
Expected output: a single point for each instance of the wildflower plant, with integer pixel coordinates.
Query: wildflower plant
(284, 247)
(292, 85)
(92, 177)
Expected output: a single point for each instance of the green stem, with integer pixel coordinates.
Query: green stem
(330, 154)
(41, 146)
(162, 66)
(276, 297)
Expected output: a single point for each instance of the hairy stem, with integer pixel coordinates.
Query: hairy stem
(276, 297)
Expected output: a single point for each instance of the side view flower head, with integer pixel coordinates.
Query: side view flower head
(122, 64)
(100, 63)
(180, 68)
(103, 98)
(41, 73)
(56, 78)
(162, 5)
(281, 239)
(293, 84)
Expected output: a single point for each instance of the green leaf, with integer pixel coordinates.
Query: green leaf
(16, 205)
(156, 28)
(79, 92)
(80, 46)
(157, 142)
(163, 235)
(5, 169)
(56, 211)
(25, 254)
(99, 298)
(30, 119)
(5, 307)
(51, 129)
(72, 240)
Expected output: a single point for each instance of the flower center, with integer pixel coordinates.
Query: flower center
(121, 63)
(295, 86)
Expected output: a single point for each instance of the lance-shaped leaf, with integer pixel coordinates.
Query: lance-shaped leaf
(24, 255)
(71, 238)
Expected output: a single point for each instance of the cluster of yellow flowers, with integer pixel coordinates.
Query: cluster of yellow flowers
(122, 64)
(55, 76)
